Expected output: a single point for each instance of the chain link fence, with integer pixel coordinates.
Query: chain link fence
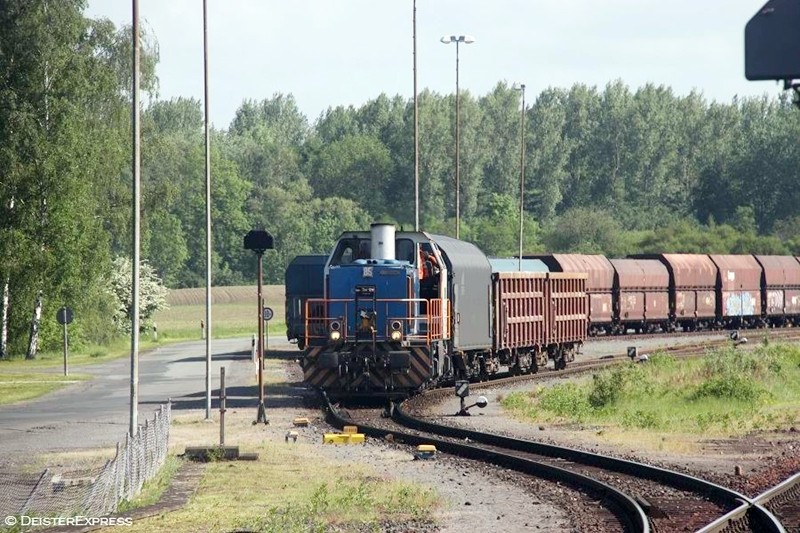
(93, 491)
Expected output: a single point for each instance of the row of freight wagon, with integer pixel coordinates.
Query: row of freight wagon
(663, 292)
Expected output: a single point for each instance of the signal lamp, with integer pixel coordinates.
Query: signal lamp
(335, 335)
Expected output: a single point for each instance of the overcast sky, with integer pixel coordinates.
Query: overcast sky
(343, 52)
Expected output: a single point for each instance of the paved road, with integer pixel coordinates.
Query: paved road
(96, 413)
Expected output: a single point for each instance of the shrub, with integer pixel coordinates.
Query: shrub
(732, 387)
(641, 419)
(565, 400)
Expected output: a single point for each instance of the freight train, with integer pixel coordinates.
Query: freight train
(394, 312)
(667, 292)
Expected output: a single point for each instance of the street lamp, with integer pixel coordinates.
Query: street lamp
(466, 39)
(521, 87)
(259, 241)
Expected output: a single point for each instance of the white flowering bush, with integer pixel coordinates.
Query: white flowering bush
(152, 293)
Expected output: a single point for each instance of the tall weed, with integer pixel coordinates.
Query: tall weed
(567, 400)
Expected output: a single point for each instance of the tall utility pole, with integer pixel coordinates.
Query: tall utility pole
(521, 87)
(137, 175)
(466, 39)
(208, 214)
(416, 128)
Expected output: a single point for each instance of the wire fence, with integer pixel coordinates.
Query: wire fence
(92, 491)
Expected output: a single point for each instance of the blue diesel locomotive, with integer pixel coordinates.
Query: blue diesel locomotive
(402, 311)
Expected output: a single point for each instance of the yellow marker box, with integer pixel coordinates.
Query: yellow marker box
(301, 421)
(343, 438)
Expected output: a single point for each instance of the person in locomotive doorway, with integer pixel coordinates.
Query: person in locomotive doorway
(428, 266)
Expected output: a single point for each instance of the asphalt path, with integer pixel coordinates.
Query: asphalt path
(96, 413)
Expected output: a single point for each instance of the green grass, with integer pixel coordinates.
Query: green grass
(285, 492)
(153, 489)
(16, 387)
(730, 392)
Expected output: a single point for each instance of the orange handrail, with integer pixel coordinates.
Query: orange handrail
(429, 326)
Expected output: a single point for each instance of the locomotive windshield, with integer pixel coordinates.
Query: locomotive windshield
(349, 250)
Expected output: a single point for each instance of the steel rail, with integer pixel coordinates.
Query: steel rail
(755, 512)
(661, 475)
(630, 513)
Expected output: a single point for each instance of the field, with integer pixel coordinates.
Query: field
(234, 312)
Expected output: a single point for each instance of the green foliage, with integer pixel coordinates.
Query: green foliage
(586, 231)
(641, 419)
(733, 387)
(565, 400)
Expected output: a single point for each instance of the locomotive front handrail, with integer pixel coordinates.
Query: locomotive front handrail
(430, 324)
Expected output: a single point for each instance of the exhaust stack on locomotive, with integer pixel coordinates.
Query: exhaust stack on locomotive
(383, 241)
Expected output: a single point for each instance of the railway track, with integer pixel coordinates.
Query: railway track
(628, 496)
(631, 496)
(682, 334)
(780, 504)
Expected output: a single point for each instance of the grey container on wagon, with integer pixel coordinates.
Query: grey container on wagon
(641, 294)
(692, 288)
(599, 284)
(505, 264)
(739, 286)
(780, 289)
(470, 284)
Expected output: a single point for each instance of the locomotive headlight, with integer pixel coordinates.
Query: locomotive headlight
(335, 333)
(397, 331)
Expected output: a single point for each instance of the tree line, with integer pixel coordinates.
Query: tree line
(610, 170)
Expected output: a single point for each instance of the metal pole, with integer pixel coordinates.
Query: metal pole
(416, 129)
(208, 214)
(222, 396)
(134, 401)
(458, 161)
(262, 411)
(66, 369)
(521, 173)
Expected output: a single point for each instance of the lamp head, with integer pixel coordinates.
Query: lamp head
(447, 39)
(466, 39)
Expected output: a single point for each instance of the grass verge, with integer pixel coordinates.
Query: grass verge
(285, 492)
(16, 387)
(153, 489)
(730, 392)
